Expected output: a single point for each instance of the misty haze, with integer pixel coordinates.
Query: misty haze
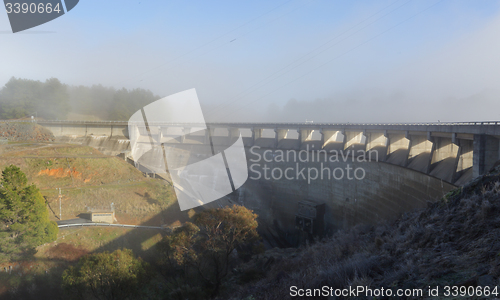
(292, 149)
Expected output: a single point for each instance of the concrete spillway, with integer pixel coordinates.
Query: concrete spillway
(106, 145)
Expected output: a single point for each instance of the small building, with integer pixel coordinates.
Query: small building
(102, 216)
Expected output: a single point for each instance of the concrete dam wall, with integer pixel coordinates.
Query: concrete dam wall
(416, 163)
(351, 189)
(453, 151)
(381, 191)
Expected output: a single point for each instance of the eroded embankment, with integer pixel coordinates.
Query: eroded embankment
(20, 131)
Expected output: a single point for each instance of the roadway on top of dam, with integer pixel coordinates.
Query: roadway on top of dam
(482, 127)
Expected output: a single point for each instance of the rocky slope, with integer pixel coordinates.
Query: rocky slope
(21, 131)
(453, 242)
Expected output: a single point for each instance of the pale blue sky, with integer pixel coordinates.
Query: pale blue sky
(358, 61)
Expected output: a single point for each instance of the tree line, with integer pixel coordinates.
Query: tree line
(53, 100)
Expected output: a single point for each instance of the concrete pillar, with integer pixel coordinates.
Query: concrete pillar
(137, 131)
(160, 134)
(309, 141)
(454, 139)
(305, 135)
(454, 175)
(299, 137)
(399, 148)
(445, 148)
(280, 135)
(407, 136)
(329, 136)
(420, 155)
(463, 171)
(256, 134)
(377, 141)
(164, 133)
(333, 140)
(397, 141)
(206, 140)
(354, 139)
(322, 139)
(433, 149)
(209, 133)
(485, 153)
(232, 135)
(185, 131)
(466, 155)
(444, 158)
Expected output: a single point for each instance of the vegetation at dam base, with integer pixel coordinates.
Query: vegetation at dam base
(452, 242)
(116, 275)
(201, 251)
(191, 263)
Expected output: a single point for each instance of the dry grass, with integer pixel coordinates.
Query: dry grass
(64, 251)
(89, 179)
(134, 202)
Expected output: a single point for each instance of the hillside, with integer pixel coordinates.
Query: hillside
(455, 241)
(25, 131)
(88, 179)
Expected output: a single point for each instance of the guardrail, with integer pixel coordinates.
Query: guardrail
(282, 123)
(262, 123)
(109, 225)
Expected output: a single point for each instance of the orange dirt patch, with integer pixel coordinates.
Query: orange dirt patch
(61, 172)
(63, 251)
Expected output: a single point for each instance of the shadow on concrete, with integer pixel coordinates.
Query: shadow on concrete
(140, 240)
